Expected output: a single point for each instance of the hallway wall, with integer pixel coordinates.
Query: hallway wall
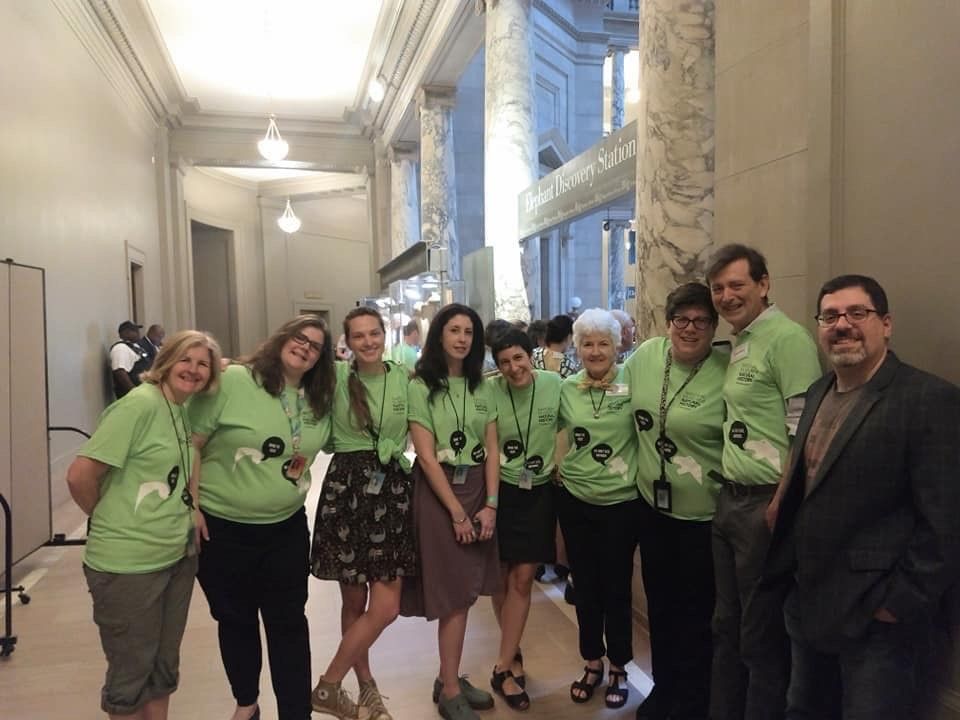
(76, 185)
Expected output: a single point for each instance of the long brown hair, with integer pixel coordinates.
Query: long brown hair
(355, 390)
(317, 383)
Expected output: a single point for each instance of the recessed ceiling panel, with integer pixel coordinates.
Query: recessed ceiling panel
(294, 58)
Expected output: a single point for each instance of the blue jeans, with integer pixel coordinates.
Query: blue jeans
(875, 677)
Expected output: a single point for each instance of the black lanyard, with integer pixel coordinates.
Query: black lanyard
(462, 430)
(665, 406)
(596, 408)
(375, 431)
(533, 395)
(182, 444)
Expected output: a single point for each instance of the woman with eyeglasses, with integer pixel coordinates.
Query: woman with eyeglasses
(596, 504)
(132, 478)
(456, 479)
(676, 396)
(363, 534)
(258, 436)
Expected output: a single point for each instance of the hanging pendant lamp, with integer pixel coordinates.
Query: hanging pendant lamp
(288, 222)
(272, 146)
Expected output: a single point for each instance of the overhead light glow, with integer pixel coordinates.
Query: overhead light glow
(375, 90)
(288, 222)
(272, 146)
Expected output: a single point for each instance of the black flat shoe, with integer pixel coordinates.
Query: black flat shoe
(518, 701)
(584, 685)
(616, 696)
(520, 679)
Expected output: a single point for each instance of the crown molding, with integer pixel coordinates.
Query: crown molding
(257, 123)
(305, 186)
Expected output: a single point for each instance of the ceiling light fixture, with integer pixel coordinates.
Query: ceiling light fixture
(273, 147)
(288, 222)
(376, 90)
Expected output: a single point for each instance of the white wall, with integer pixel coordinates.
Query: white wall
(327, 264)
(76, 184)
(233, 206)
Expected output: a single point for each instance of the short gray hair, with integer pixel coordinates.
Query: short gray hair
(596, 320)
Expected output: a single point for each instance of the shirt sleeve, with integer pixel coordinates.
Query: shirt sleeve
(122, 358)
(796, 364)
(204, 410)
(118, 430)
(418, 409)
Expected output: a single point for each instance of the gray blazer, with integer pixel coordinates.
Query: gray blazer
(881, 524)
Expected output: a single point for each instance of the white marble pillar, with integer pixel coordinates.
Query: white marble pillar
(617, 89)
(676, 152)
(404, 199)
(510, 151)
(616, 258)
(438, 202)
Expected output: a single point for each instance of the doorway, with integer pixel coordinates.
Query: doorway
(213, 284)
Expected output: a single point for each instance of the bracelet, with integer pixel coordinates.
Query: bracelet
(461, 521)
(492, 501)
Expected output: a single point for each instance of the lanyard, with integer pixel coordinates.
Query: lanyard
(596, 408)
(533, 395)
(461, 430)
(375, 431)
(665, 406)
(183, 445)
(293, 418)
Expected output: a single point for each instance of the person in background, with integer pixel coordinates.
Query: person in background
(132, 479)
(527, 404)
(772, 363)
(259, 435)
(128, 360)
(452, 417)
(152, 341)
(553, 355)
(363, 534)
(494, 328)
(676, 389)
(405, 353)
(537, 331)
(598, 504)
(628, 335)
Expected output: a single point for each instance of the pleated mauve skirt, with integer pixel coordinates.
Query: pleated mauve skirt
(452, 576)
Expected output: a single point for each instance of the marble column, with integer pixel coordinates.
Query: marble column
(676, 152)
(438, 202)
(404, 200)
(616, 258)
(510, 151)
(617, 89)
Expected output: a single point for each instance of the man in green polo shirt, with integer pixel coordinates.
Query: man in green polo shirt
(405, 353)
(772, 363)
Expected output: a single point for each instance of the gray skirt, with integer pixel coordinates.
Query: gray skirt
(452, 576)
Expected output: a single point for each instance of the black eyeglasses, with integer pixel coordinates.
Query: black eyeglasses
(854, 315)
(682, 323)
(302, 339)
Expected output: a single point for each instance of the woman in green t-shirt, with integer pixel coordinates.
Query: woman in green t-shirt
(132, 478)
(528, 402)
(362, 535)
(259, 436)
(452, 417)
(597, 503)
(676, 388)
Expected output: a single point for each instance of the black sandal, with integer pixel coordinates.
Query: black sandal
(520, 679)
(619, 694)
(518, 701)
(583, 685)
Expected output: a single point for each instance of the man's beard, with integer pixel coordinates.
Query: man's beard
(847, 357)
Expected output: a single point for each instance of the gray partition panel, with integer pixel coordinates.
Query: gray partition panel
(5, 459)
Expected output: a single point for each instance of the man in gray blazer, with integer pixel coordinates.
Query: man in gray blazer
(866, 525)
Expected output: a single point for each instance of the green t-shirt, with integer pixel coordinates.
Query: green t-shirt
(140, 523)
(601, 466)
(387, 399)
(249, 443)
(405, 355)
(694, 434)
(536, 406)
(444, 417)
(773, 359)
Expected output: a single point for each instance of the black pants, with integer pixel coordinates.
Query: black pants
(247, 571)
(600, 543)
(677, 565)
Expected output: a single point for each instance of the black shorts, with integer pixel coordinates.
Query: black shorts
(526, 524)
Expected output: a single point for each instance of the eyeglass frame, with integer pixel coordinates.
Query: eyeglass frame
(824, 322)
(706, 321)
(301, 339)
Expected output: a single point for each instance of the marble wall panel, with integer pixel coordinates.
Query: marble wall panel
(747, 26)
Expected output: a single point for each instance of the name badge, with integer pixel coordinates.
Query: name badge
(294, 467)
(375, 485)
(526, 479)
(460, 474)
(618, 390)
(662, 497)
(740, 352)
